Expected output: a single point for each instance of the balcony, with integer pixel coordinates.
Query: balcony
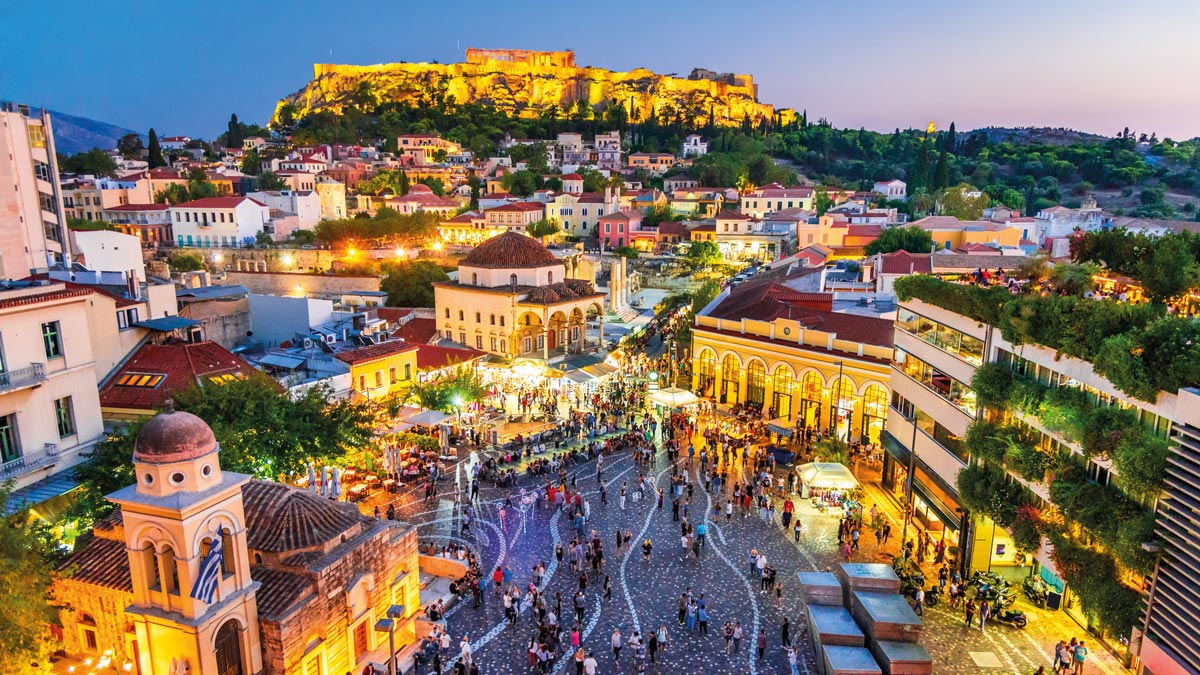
(22, 378)
(29, 461)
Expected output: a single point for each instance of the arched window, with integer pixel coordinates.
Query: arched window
(447, 312)
(874, 414)
(474, 279)
(461, 316)
(550, 277)
(501, 320)
(492, 319)
(478, 317)
(706, 372)
(843, 405)
(756, 383)
(512, 279)
(784, 381)
(730, 370)
(170, 570)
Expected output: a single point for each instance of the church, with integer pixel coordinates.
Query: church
(208, 572)
(514, 298)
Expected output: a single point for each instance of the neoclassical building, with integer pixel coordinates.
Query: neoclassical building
(302, 579)
(513, 298)
(774, 345)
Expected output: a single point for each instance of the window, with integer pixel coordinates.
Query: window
(362, 383)
(479, 342)
(378, 378)
(10, 447)
(149, 380)
(493, 319)
(966, 347)
(64, 414)
(478, 317)
(407, 371)
(501, 321)
(462, 338)
(461, 315)
(52, 340)
(392, 378)
(952, 390)
(126, 318)
(493, 344)
(447, 312)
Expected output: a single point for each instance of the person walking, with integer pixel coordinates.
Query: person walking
(702, 619)
(919, 598)
(647, 547)
(590, 665)
(615, 641)
(737, 636)
(796, 530)
(969, 610)
(786, 632)
(580, 657)
(1062, 658)
(985, 611)
(727, 632)
(653, 645)
(762, 644)
(1081, 652)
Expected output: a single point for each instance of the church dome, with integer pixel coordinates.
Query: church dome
(281, 519)
(511, 250)
(420, 189)
(173, 437)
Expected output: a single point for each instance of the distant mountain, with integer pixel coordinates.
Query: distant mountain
(79, 134)
(1045, 135)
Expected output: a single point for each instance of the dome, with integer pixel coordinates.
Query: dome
(543, 295)
(280, 518)
(420, 189)
(173, 437)
(511, 250)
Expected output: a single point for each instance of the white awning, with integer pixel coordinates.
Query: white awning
(673, 397)
(827, 475)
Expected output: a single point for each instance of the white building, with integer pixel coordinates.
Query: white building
(894, 189)
(693, 146)
(774, 197)
(218, 221)
(274, 318)
(306, 204)
(32, 220)
(332, 195)
(107, 251)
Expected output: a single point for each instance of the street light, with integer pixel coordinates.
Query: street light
(388, 626)
(1155, 548)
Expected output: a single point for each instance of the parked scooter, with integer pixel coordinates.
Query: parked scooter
(1002, 613)
(1036, 590)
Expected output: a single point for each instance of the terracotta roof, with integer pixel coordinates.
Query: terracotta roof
(280, 591)
(392, 313)
(179, 365)
(572, 176)
(855, 327)
(51, 296)
(174, 436)
(282, 518)
(510, 250)
(523, 207)
(99, 561)
(705, 227)
(120, 300)
(903, 262)
(792, 344)
(672, 227)
(777, 190)
(465, 217)
(766, 298)
(138, 207)
(374, 352)
(216, 203)
(624, 214)
(726, 214)
(432, 356)
(591, 198)
(496, 195)
(417, 331)
(864, 230)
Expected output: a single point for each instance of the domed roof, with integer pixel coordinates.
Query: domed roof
(420, 189)
(511, 250)
(173, 437)
(280, 518)
(543, 294)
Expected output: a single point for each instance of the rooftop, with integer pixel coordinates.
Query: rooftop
(510, 250)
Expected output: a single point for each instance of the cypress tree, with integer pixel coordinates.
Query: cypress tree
(941, 175)
(155, 158)
(404, 185)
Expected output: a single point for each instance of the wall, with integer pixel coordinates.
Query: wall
(110, 252)
(296, 283)
(224, 321)
(277, 318)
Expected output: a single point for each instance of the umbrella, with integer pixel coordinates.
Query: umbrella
(673, 397)
(323, 487)
(312, 477)
(336, 491)
(387, 459)
(827, 475)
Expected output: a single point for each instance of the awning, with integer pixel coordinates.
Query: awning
(428, 418)
(166, 324)
(673, 397)
(580, 376)
(282, 361)
(599, 369)
(827, 475)
(44, 497)
(782, 427)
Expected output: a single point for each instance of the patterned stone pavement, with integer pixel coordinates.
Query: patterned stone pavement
(645, 594)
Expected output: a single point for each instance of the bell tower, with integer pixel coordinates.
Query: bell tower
(181, 509)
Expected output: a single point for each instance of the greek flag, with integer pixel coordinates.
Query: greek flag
(210, 574)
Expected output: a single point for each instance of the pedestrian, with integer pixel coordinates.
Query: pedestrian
(683, 606)
(702, 619)
(887, 532)
(1081, 652)
(1062, 658)
(653, 644)
(985, 611)
(793, 660)
(919, 597)
(607, 588)
(796, 530)
(647, 547)
(969, 609)
(590, 665)
(663, 637)
(762, 644)
(737, 636)
(786, 632)
(615, 641)
(727, 632)
(580, 657)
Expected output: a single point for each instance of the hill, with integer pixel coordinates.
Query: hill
(1040, 136)
(528, 84)
(74, 134)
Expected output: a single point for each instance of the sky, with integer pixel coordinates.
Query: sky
(1092, 65)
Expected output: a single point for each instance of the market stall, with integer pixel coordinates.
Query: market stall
(828, 478)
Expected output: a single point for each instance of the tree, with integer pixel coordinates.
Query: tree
(626, 251)
(941, 173)
(154, 156)
(95, 162)
(521, 183)
(186, 262)
(173, 193)
(199, 186)
(912, 239)
(410, 284)
(475, 184)
(130, 146)
(1169, 270)
(962, 201)
(449, 394)
(28, 558)
(85, 225)
(251, 163)
(269, 180)
(659, 213)
(233, 133)
(540, 229)
(404, 185)
(704, 254)
(823, 202)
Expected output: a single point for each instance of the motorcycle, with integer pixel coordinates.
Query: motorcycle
(1036, 590)
(1012, 617)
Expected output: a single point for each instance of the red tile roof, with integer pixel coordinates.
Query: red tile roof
(392, 313)
(672, 227)
(777, 190)
(903, 262)
(523, 207)
(726, 214)
(572, 176)
(217, 203)
(99, 561)
(374, 352)
(181, 365)
(432, 356)
(61, 294)
(138, 207)
(417, 331)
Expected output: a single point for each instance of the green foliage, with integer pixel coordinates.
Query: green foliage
(521, 183)
(130, 146)
(986, 441)
(108, 469)
(540, 229)
(982, 304)
(95, 162)
(1104, 511)
(1168, 270)
(173, 193)
(1074, 279)
(449, 394)
(410, 284)
(703, 254)
(1026, 529)
(252, 164)
(958, 201)
(269, 180)
(627, 251)
(1093, 575)
(83, 224)
(28, 558)
(986, 491)
(911, 238)
(659, 213)
(993, 385)
(185, 262)
(154, 156)
(823, 203)
(832, 449)
(387, 228)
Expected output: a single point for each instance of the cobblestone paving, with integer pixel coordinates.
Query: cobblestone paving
(645, 593)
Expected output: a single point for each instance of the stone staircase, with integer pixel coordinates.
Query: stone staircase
(626, 314)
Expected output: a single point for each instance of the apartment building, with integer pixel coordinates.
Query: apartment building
(218, 221)
(49, 407)
(765, 200)
(32, 220)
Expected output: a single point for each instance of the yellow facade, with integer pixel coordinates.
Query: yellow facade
(793, 373)
(385, 376)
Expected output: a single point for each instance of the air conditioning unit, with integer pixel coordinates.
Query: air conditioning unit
(308, 343)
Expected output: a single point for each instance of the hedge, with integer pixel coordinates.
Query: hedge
(1137, 347)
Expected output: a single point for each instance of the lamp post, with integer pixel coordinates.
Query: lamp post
(388, 625)
(1155, 548)
(908, 481)
(837, 401)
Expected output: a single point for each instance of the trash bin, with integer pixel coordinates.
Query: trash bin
(1053, 600)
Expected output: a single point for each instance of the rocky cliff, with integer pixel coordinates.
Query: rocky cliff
(527, 83)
